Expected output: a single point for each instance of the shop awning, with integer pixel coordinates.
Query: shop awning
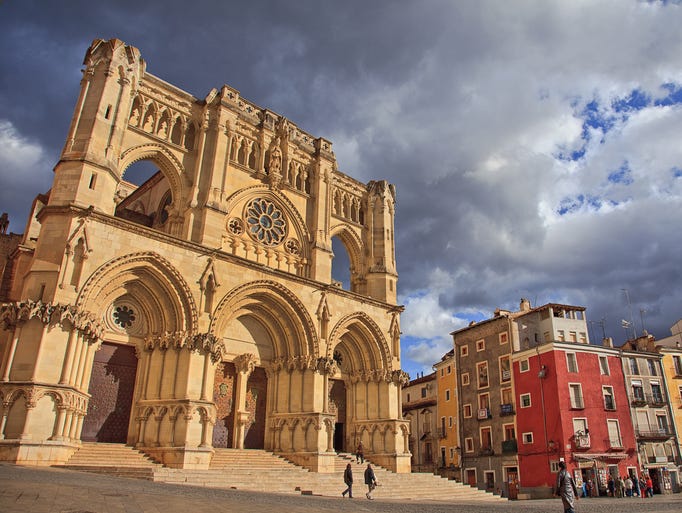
(601, 456)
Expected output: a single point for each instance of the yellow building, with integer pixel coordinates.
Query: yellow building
(448, 414)
(671, 349)
(197, 309)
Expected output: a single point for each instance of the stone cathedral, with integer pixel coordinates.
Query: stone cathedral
(197, 309)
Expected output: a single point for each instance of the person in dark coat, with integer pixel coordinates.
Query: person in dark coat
(370, 481)
(565, 488)
(348, 479)
(360, 454)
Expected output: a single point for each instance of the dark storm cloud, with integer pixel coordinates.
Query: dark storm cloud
(500, 124)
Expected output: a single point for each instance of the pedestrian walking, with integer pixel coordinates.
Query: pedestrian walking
(566, 488)
(649, 487)
(360, 453)
(370, 481)
(348, 479)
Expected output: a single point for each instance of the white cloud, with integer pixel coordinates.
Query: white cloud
(24, 173)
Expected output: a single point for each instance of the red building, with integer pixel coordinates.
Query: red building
(571, 403)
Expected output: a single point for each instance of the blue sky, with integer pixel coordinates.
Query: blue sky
(534, 145)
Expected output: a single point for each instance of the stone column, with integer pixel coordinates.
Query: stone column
(10, 354)
(244, 364)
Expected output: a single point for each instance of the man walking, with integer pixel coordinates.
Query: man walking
(565, 488)
(370, 481)
(348, 479)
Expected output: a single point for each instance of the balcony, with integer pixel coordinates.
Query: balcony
(582, 441)
(486, 451)
(637, 400)
(653, 434)
(655, 400)
(506, 409)
(484, 414)
(510, 446)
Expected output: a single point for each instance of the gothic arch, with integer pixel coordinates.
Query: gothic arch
(368, 346)
(352, 243)
(155, 284)
(278, 309)
(170, 166)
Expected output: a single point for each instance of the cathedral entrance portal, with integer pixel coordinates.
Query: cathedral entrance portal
(111, 388)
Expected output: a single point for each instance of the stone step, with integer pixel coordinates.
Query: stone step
(258, 470)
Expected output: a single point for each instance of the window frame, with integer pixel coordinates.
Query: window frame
(607, 390)
(572, 362)
(527, 438)
(580, 401)
(524, 363)
(604, 369)
(521, 402)
(480, 366)
(480, 345)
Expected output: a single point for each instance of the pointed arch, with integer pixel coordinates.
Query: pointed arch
(278, 309)
(367, 347)
(170, 166)
(155, 284)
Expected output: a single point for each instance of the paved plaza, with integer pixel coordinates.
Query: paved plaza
(33, 490)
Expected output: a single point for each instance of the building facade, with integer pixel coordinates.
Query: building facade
(487, 411)
(670, 349)
(420, 410)
(651, 413)
(197, 309)
(449, 455)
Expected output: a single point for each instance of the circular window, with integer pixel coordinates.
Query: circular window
(266, 222)
(124, 316)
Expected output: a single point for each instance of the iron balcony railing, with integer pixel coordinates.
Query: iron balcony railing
(510, 446)
(654, 434)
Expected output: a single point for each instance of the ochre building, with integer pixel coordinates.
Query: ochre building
(197, 309)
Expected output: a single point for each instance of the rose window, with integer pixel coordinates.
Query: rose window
(265, 222)
(124, 316)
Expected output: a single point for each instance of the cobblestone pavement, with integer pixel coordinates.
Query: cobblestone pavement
(32, 490)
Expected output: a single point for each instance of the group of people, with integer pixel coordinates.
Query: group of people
(370, 478)
(626, 486)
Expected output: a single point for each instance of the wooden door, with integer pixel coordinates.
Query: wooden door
(111, 388)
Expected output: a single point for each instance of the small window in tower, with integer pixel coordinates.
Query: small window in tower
(93, 181)
(107, 112)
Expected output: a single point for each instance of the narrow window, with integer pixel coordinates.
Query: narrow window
(576, 393)
(571, 362)
(604, 366)
(93, 181)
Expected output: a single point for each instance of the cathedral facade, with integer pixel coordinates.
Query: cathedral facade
(197, 309)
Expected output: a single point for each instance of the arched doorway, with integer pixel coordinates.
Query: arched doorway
(112, 383)
(337, 407)
(255, 405)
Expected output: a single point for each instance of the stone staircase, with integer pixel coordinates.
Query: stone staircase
(113, 459)
(257, 470)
